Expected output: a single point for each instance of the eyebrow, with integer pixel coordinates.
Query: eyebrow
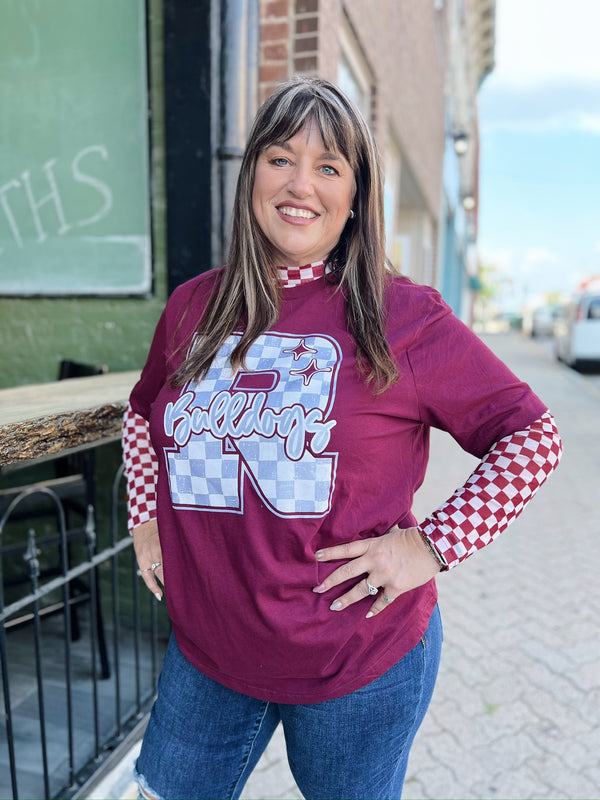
(326, 154)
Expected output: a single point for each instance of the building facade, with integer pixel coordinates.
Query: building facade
(471, 36)
(413, 67)
(391, 60)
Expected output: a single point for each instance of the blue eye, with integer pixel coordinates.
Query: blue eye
(280, 161)
(328, 170)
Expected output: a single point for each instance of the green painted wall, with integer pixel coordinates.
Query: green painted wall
(36, 333)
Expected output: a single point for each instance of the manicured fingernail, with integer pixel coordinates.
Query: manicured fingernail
(319, 554)
(320, 588)
(370, 614)
(335, 606)
(158, 597)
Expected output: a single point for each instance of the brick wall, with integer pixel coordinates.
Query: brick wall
(404, 43)
(275, 43)
(402, 46)
(289, 41)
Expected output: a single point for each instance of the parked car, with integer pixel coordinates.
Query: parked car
(540, 321)
(577, 330)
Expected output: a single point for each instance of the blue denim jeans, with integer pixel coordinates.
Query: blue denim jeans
(203, 740)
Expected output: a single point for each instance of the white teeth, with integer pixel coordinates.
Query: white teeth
(290, 211)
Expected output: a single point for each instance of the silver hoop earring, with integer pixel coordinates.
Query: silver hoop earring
(352, 214)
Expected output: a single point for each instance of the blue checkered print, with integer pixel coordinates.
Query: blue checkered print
(282, 446)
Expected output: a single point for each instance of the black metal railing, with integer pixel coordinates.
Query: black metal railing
(79, 644)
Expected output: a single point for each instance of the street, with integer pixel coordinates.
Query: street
(516, 710)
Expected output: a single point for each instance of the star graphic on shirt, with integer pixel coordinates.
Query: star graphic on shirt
(309, 372)
(300, 350)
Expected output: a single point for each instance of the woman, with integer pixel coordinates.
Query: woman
(289, 397)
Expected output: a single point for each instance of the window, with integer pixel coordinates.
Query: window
(74, 173)
(354, 75)
(594, 308)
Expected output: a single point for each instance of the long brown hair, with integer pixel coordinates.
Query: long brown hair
(248, 294)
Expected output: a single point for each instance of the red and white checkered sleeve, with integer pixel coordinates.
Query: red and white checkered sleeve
(496, 493)
(141, 469)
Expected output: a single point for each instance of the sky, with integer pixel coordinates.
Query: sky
(539, 116)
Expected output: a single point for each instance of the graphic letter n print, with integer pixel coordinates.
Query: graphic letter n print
(269, 423)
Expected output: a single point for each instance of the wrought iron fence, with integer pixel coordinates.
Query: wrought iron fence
(79, 643)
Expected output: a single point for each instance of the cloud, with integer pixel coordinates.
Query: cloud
(551, 106)
(541, 270)
(540, 182)
(501, 259)
(567, 123)
(541, 41)
(526, 277)
(511, 264)
(547, 73)
(590, 123)
(536, 257)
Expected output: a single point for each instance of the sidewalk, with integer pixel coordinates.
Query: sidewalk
(516, 711)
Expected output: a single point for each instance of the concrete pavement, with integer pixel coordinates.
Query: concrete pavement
(516, 710)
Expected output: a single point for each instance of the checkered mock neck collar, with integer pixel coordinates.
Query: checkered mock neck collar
(295, 276)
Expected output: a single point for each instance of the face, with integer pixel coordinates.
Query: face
(302, 197)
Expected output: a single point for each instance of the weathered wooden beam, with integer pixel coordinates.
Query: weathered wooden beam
(47, 419)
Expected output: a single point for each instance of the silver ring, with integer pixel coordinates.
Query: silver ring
(387, 599)
(156, 565)
(373, 590)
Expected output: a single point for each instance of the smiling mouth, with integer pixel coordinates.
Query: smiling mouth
(290, 211)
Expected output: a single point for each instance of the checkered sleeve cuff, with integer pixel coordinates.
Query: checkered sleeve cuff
(141, 469)
(496, 493)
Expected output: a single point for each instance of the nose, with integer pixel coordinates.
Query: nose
(301, 183)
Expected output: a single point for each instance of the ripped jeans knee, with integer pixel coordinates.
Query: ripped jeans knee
(144, 791)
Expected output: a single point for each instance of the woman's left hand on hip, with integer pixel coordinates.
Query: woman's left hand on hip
(393, 563)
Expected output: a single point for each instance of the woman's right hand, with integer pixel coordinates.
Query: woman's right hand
(146, 544)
